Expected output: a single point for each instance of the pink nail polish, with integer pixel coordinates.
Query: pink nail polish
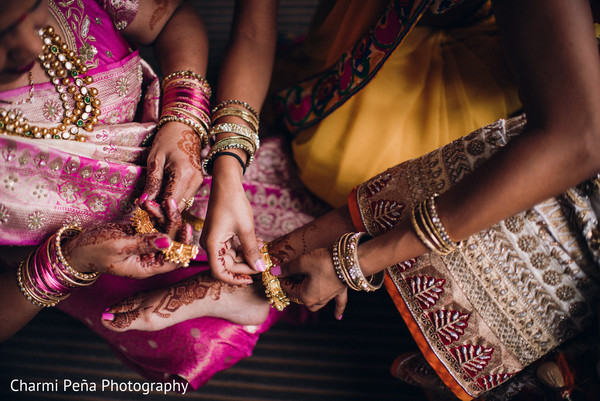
(162, 243)
(260, 265)
(109, 317)
(173, 203)
(143, 198)
(276, 270)
(339, 317)
(154, 204)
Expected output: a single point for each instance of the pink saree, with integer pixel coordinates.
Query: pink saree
(47, 183)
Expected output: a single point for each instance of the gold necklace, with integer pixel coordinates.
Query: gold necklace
(68, 75)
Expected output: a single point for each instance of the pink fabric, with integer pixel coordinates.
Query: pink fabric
(47, 183)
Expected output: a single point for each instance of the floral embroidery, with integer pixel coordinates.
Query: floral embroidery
(4, 214)
(69, 192)
(35, 220)
(41, 191)
(52, 110)
(10, 182)
(98, 203)
(87, 52)
(122, 86)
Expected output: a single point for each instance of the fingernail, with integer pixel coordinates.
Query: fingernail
(173, 203)
(260, 265)
(154, 204)
(106, 310)
(276, 270)
(162, 243)
(109, 317)
(339, 317)
(143, 198)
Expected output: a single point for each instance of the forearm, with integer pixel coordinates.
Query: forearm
(319, 233)
(15, 309)
(246, 68)
(182, 44)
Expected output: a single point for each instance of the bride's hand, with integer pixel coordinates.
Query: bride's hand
(117, 249)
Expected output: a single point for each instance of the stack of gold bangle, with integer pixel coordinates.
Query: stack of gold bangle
(347, 268)
(244, 136)
(186, 97)
(275, 294)
(178, 253)
(430, 229)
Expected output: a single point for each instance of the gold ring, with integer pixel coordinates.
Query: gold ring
(188, 203)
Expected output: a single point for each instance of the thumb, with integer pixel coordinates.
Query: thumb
(151, 243)
(251, 251)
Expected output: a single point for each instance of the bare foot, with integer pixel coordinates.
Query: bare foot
(197, 296)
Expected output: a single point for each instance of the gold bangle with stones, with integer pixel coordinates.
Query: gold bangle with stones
(429, 229)
(247, 117)
(238, 129)
(177, 252)
(347, 267)
(275, 294)
(237, 102)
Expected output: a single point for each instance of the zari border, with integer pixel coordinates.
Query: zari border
(410, 322)
(308, 102)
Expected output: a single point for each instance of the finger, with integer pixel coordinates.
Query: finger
(220, 269)
(143, 244)
(155, 211)
(340, 304)
(173, 225)
(186, 235)
(251, 251)
(154, 177)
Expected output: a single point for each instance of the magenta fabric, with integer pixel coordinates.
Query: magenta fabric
(46, 183)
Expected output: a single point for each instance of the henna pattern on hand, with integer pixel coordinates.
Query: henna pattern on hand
(282, 251)
(98, 235)
(190, 145)
(169, 181)
(152, 182)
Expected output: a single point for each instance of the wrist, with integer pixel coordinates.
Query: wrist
(395, 246)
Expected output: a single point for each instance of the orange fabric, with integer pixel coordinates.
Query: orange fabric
(422, 342)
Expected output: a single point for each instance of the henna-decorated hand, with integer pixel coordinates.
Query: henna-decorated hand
(229, 222)
(118, 250)
(311, 278)
(198, 296)
(174, 167)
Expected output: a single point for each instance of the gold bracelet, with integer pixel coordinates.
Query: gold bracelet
(189, 74)
(236, 129)
(88, 277)
(239, 103)
(247, 117)
(275, 294)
